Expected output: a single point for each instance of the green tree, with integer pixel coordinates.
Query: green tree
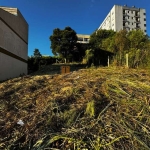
(139, 48)
(89, 56)
(109, 44)
(121, 46)
(98, 36)
(63, 42)
(37, 53)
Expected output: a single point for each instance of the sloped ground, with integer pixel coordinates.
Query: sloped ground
(92, 109)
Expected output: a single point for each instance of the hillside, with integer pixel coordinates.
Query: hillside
(88, 109)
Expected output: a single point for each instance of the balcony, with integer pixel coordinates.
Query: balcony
(136, 21)
(125, 19)
(125, 14)
(137, 27)
(137, 15)
(126, 27)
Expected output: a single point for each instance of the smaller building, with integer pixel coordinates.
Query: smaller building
(82, 38)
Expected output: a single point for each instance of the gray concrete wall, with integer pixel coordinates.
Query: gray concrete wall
(13, 43)
(142, 21)
(118, 18)
(11, 67)
(16, 22)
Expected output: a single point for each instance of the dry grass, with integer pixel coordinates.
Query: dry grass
(104, 108)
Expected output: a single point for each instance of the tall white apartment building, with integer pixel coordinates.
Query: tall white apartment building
(124, 17)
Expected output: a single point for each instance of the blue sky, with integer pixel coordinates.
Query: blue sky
(84, 16)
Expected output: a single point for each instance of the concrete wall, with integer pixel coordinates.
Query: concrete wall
(15, 21)
(143, 19)
(13, 43)
(113, 24)
(118, 18)
(11, 67)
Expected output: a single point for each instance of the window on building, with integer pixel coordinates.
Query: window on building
(144, 19)
(123, 24)
(80, 39)
(144, 13)
(137, 19)
(86, 39)
(123, 11)
(132, 23)
(136, 13)
(144, 25)
(145, 30)
(137, 25)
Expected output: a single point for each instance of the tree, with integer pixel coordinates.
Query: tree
(121, 46)
(98, 36)
(139, 48)
(63, 42)
(37, 53)
(89, 56)
(109, 44)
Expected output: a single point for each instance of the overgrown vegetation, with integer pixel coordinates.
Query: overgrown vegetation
(104, 108)
(134, 43)
(117, 44)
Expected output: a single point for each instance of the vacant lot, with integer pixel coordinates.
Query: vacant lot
(104, 108)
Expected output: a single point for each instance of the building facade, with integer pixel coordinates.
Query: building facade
(13, 43)
(82, 38)
(124, 17)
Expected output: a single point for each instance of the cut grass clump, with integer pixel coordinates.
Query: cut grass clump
(103, 108)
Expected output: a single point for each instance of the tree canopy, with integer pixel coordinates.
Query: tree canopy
(98, 36)
(63, 42)
(37, 53)
(134, 42)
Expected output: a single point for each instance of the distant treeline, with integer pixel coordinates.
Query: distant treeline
(34, 63)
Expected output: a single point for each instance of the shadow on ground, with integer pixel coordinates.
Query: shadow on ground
(56, 69)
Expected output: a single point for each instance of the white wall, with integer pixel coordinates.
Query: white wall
(118, 18)
(142, 16)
